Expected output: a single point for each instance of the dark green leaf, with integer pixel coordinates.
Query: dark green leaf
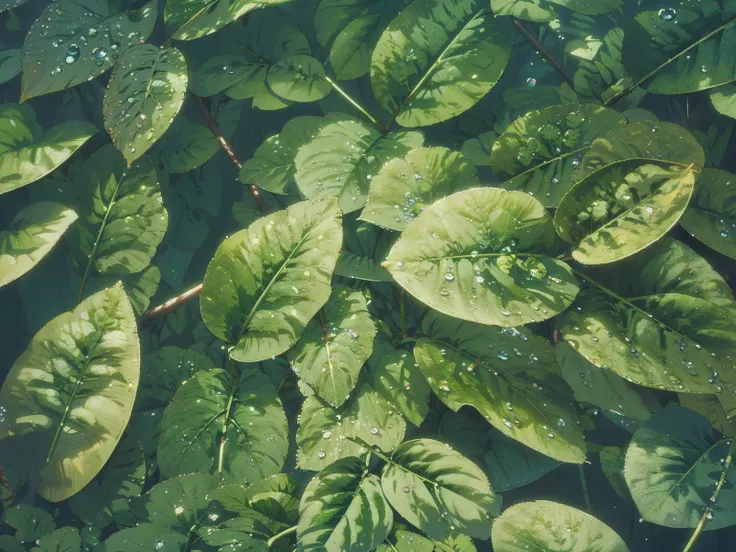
(512, 465)
(30, 523)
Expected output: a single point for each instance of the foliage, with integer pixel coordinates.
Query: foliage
(355, 275)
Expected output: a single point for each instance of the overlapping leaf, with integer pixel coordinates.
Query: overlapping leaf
(544, 10)
(512, 465)
(190, 19)
(724, 100)
(479, 255)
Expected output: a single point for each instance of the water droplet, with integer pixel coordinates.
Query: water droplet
(374, 431)
(327, 435)
(159, 544)
(503, 355)
(449, 276)
(92, 32)
(531, 82)
(400, 264)
(321, 454)
(405, 489)
(724, 234)
(667, 14)
(55, 71)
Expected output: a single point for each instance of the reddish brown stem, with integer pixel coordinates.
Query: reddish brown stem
(169, 306)
(556, 65)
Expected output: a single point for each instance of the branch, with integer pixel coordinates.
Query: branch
(556, 65)
(171, 305)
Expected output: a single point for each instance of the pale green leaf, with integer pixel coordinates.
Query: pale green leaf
(406, 541)
(298, 79)
(31, 236)
(724, 100)
(478, 149)
(68, 397)
(477, 255)
(404, 187)
(265, 283)
(74, 41)
(217, 423)
(364, 249)
(146, 91)
(438, 58)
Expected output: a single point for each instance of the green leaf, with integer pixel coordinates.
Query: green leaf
(32, 235)
(27, 153)
(710, 406)
(10, 4)
(612, 464)
(9, 544)
(217, 423)
(139, 287)
(324, 433)
(622, 209)
(599, 387)
(406, 541)
(68, 397)
(478, 149)
(30, 523)
(724, 100)
(539, 152)
(474, 255)
(335, 345)
(344, 156)
(466, 431)
(672, 466)
(676, 51)
(107, 499)
(544, 10)
(144, 536)
(353, 27)
(145, 93)
(552, 527)
(404, 187)
(74, 41)
(122, 219)
(162, 373)
(190, 19)
(186, 146)
(364, 249)
(438, 490)
(298, 79)
(265, 283)
(9, 65)
(438, 58)
(512, 465)
(66, 539)
(343, 508)
(711, 217)
(510, 376)
(395, 377)
(178, 503)
(272, 166)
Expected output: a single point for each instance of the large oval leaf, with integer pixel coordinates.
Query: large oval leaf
(545, 526)
(74, 41)
(344, 156)
(265, 283)
(335, 345)
(477, 255)
(679, 50)
(146, 91)
(122, 219)
(510, 376)
(438, 58)
(32, 235)
(672, 466)
(324, 432)
(438, 490)
(232, 426)
(711, 216)
(621, 209)
(27, 153)
(68, 397)
(404, 187)
(544, 10)
(539, 152)
(190, 19)
(343, 508)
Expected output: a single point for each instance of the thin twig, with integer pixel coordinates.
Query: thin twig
(556, 65)
(169, 306)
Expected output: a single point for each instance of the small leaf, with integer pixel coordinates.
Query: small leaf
(66, 539)
(478, 149)
(552, 527)
(364, 249)
(724, 100)
(9, 64)
(190, 19)
(544, 10)
(404, 187)
(144, 536)
(406, 541)
(30, 523)
(265, 283)
(186, 146)
(539, 152)
(298, 79)
(711, 217)
(68, 397)
(411, 63)
(438, 490)
(232, 426)
(343, 508)
(612, 463)
(343, 158)
(335, 345)
(512, 465)
(324, 433)
(672, 466)
(32, 235)
(510, 376)
(74, 41)
(475, 255)
(145, 93)
(622, 209)
(27, 154)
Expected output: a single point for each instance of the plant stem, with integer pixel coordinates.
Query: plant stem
(355, 104)
(283, 533)
(169, 306)
(402, 296)
(556, 65)
(584, 486)
(704, 519)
